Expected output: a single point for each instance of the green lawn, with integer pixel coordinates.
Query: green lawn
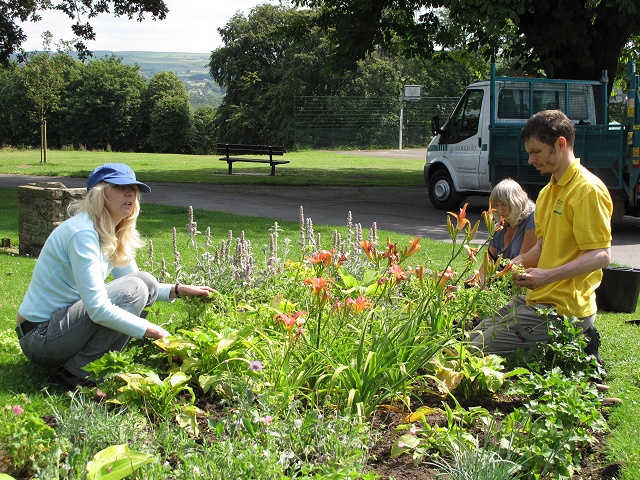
(306, 168)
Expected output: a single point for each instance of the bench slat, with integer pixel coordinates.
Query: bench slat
(254, 160)
(241, 149)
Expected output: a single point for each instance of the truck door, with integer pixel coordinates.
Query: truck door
(463, 139)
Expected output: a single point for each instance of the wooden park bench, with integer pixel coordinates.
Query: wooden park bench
(228, 150)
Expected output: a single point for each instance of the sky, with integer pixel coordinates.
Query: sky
(190, 26)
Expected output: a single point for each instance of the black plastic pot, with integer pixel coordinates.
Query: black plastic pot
(619, 289)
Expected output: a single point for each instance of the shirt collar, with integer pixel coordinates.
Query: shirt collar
(568, 174)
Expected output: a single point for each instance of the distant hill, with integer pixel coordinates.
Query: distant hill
(183, 64)
(190, 67)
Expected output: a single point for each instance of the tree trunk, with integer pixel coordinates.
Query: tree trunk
(43, 140)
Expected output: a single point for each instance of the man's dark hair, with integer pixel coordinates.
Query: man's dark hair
(547, 126)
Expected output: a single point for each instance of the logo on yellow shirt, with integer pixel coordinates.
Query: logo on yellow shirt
(558, 209)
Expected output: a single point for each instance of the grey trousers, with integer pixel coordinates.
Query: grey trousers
(516, 325)
(71, 339)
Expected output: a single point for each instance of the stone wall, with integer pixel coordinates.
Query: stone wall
(42, 206)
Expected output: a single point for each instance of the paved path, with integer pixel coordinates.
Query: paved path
(399, 209)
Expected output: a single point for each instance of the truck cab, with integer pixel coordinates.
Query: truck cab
(465, 157)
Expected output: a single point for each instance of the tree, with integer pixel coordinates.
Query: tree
(103, 106)
(43, 81)
(11, 11)
(263, 66)
(17, 126)
(204, 130)
(276, 54)
(574, 39)
(167, 104)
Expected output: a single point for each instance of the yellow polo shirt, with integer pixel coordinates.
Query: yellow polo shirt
(572, 216)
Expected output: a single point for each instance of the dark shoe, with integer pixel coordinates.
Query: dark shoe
(73, 381)
(69, 380)
(594, 344)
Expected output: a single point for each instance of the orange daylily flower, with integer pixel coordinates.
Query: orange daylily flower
(396, 271)
(474, 280)
(461, 218)
(471, 252)
(391, 253)
(337, 307)
(324, 257)
(412, 248)
(509, 267)
(290, 322)
(359, 304)
(369, 249)
(448, 292)
(445, 276)
(320, 287)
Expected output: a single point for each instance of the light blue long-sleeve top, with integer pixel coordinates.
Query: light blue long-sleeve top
(71, 267)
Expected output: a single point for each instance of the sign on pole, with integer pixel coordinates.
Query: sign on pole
(410, 93)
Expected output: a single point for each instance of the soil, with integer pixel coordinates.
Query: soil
(384, 421)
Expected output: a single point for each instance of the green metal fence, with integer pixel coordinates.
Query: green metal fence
(365, 122)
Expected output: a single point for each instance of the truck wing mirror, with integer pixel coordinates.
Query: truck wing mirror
(435, 125)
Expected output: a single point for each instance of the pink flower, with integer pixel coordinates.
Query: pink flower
(18, 410)
(267, 419)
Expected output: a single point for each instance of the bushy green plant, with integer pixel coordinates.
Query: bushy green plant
(556, 421)
(27, 443)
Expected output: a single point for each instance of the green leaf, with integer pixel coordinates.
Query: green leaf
(493, 378)
(404, 443)
(116, 462)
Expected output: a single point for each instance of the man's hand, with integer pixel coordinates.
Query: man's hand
(532, 278)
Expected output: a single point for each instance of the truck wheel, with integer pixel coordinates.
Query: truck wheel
(442, 193)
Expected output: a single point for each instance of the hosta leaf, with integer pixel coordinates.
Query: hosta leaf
(449, 380)
(116, 462)
(178, 378)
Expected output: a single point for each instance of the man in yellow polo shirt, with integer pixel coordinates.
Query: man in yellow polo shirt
(573, 227)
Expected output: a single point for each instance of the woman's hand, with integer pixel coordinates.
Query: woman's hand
(193, 290)
(155, 332)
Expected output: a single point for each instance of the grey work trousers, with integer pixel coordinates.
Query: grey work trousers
(516, 325)
(71, 339)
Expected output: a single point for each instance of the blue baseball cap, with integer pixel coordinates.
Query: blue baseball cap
(117, 174)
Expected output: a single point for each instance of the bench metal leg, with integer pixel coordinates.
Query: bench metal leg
(273, 169)
(230, 167)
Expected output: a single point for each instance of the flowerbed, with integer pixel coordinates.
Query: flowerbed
(288, 368)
